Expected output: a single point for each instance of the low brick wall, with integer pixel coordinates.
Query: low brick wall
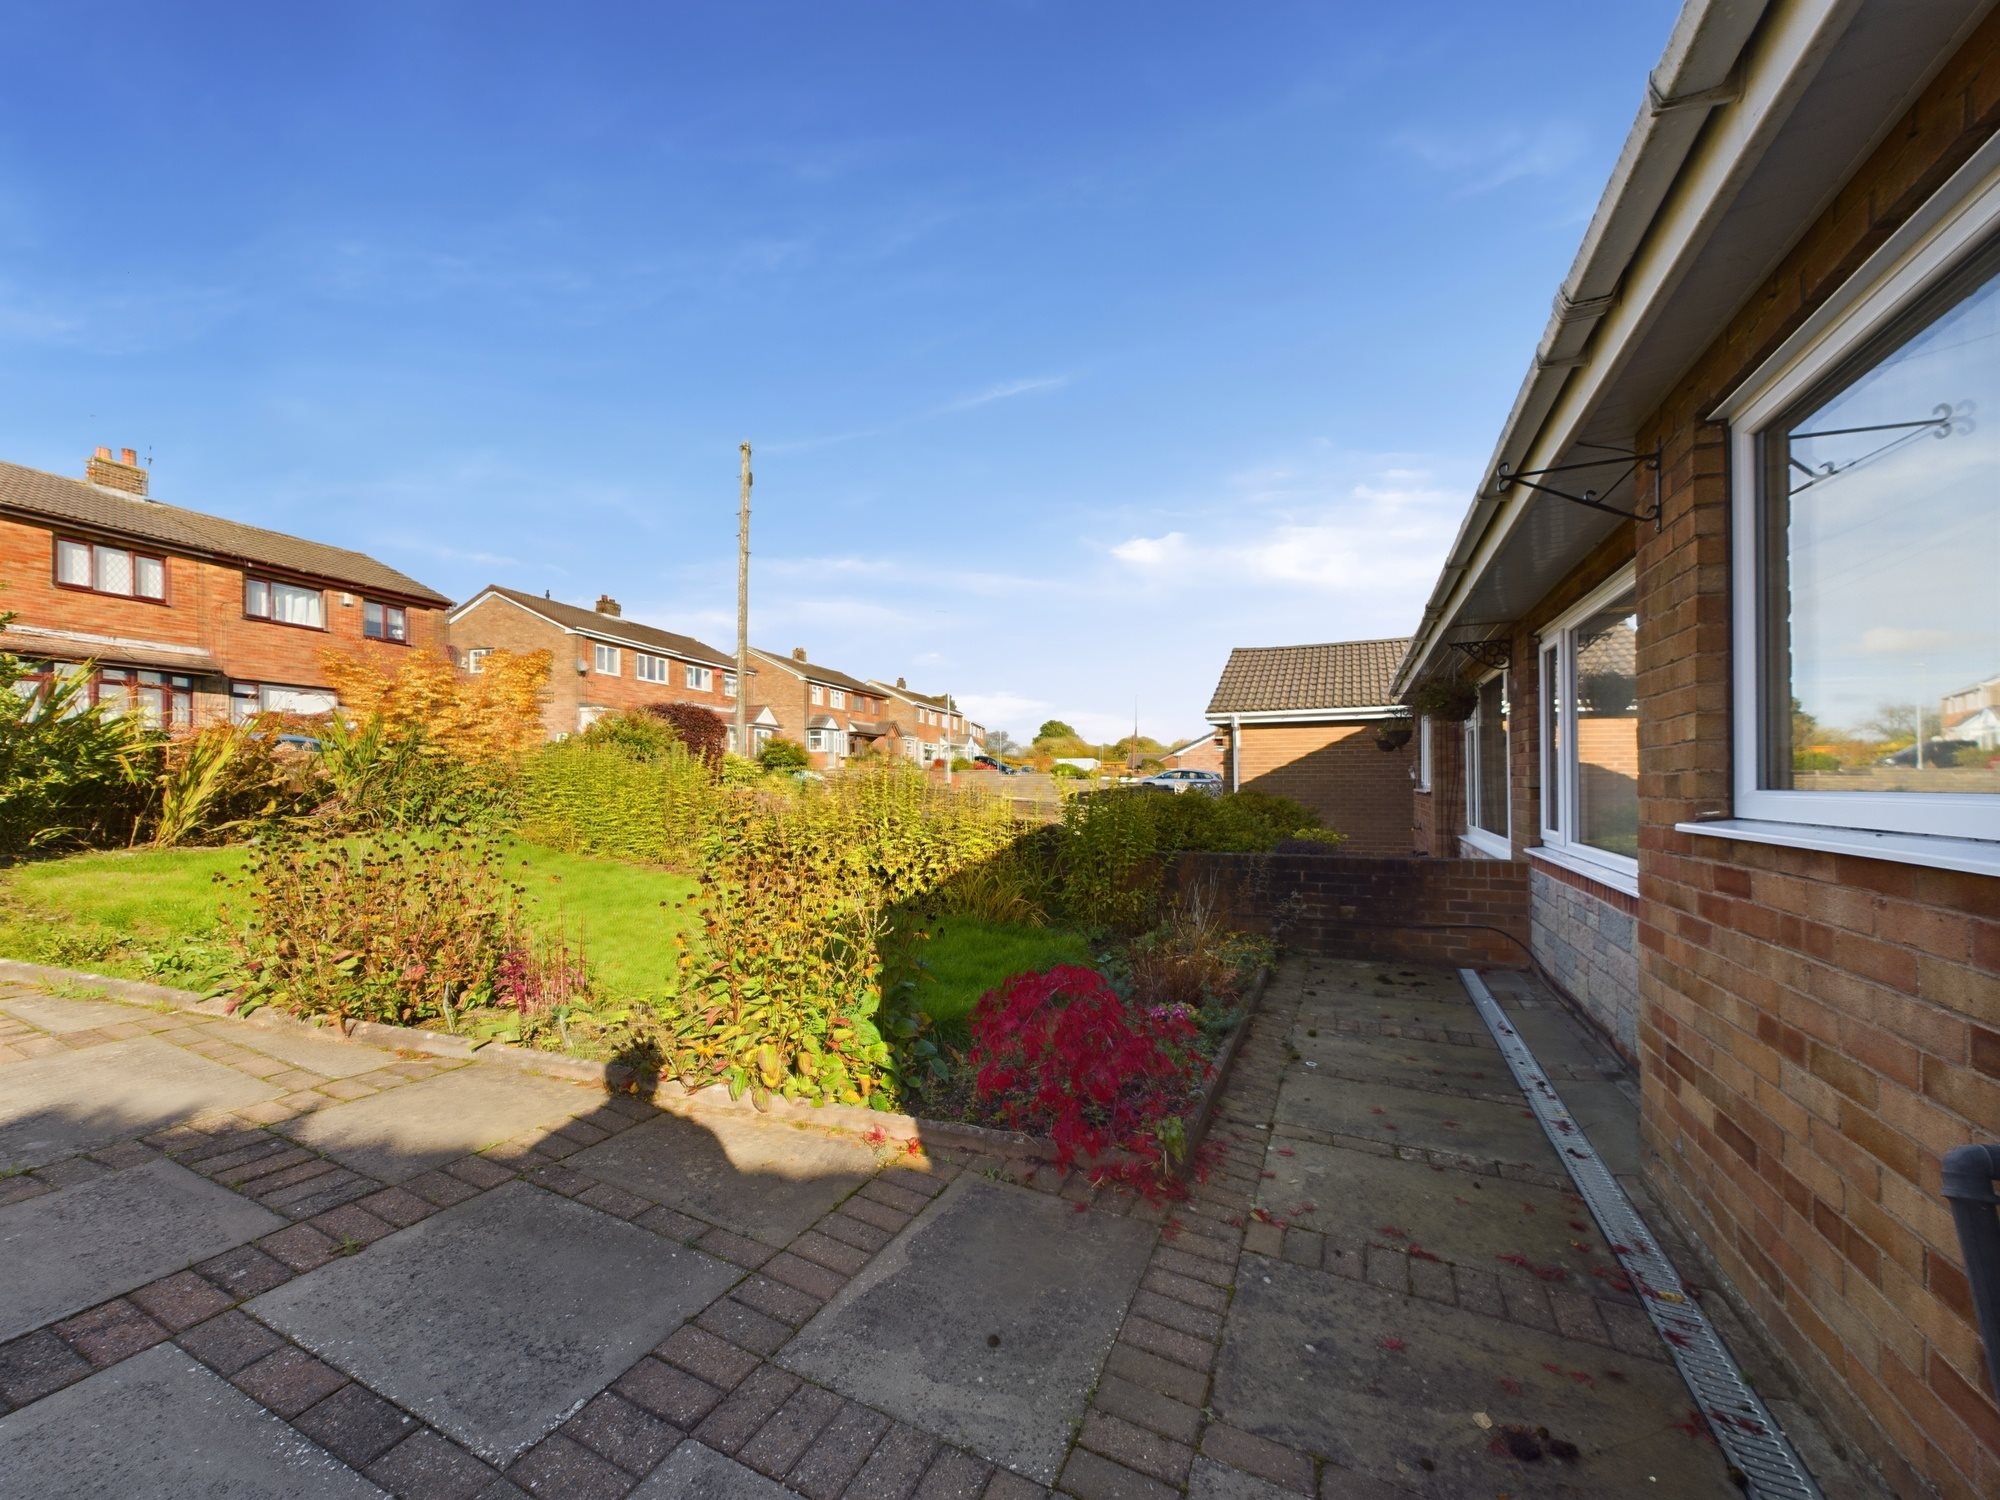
(1397, 909)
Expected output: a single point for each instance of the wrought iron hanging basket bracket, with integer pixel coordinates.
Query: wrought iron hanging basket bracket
(1628, 465)
(1492, 655)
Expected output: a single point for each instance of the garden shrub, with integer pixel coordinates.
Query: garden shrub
(223, 777)
(494, 714)
(781, 754)
(1062, 1054)
(1194, 957)
(398, 928)
(703, 732)
(70, 773)
(637, 735)
(603, 798)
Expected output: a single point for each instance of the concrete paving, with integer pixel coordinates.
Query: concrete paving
(986, 1321)
(395, 1136)
(162, 1427)
(1432, 1399)
(73, 1248)
(328, 1056)
(1478, 1071)
(64, 1102)
(1413, 1118)
(58, 1014)
(496, 1319)
(767, 1180)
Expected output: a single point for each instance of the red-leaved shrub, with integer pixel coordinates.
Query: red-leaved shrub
(703, 732)
(1061, 1053)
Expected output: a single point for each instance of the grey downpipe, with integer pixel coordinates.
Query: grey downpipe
(1969, 1172)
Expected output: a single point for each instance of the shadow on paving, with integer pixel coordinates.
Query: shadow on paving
(510, 1274)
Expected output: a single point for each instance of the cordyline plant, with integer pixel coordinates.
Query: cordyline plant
(1062, 1053)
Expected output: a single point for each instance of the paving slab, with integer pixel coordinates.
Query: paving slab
(764, 1180)
(73, 1248)
(326, 1055)
(1466, 1068)
(57, 1014)
(695, 1472)
(1391, 980)
(985, 1321)
(161, 1426)
(1608, 1116)
(1440, 1011)
(497, 1319)
(1209, 1480)
(1413, 1117)
(65, 1102)
(404, 1132)
(1397, 1388)
(1459, 1217)
(1556, 1038)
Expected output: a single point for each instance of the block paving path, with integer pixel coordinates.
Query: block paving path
(247, 1259)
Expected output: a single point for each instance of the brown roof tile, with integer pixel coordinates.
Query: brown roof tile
(1334, 675)
(91, 507)
(613, 627)
(817, 673)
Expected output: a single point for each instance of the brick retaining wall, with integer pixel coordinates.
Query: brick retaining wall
(1392, 908)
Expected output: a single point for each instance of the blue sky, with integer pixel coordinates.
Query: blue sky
(1078, 341)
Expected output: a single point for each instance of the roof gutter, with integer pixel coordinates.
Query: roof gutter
(1704, 69)
(1310, 715)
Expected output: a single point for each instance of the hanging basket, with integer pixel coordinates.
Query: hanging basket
(1450, 700)
(1393, 734)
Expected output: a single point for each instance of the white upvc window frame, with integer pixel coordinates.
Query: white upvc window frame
(729, 684)
(1561, 759)
(1421, 771)
(605, 661)
(700, 679)
(646, 667)
(816, 694)
(1957, 223)
(1491, 845)
(836, 698)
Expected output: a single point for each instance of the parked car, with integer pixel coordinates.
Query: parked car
(988, 763)
(1184, 781)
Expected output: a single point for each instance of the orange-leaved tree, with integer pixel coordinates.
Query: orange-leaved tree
(493, 714)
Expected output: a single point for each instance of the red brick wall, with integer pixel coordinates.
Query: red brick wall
(1204, 754)
(1337, 770)
(505, 626)
(789, 693)
(203, 607)
(1406, 909)
(1816, 1030)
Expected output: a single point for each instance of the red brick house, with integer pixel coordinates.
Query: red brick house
(1733, 525)
(1203, 752)
(603, 661)
(188, 617)
(924, 727)
(1303, 722)
(830, 713)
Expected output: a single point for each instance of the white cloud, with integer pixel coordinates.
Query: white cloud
(1888, 640)
(1489, 157)
(1007, 390)
(1153, 552)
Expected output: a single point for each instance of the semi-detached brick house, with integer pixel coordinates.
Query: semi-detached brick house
(1709, 731)
(189, 617)
(602, 662)
(925, 727)
(1302, 722)
(833, 715)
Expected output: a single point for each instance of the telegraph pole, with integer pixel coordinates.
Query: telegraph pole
(743, 613)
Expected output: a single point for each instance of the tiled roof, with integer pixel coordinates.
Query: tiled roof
(52, 498)
(929, 700)
(816, 673)
(614, 628)
(1334, 675)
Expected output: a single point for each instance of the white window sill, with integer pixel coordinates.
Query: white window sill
(1617, 877)
(1487, 845)
(1975, 856)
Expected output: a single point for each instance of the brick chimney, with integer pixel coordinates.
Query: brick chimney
(120, 473)
(606, 605)
(901, 683)
(798, 653)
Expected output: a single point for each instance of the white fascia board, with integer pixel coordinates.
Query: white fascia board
(1312, 715)
(1734, 137)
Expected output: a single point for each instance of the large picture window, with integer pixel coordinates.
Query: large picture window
(284, 603)
(1590, 732)
(110, 570)
(1486, 809)
(1866, 518)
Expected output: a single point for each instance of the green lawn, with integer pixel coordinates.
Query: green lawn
(966, 956)
(151, 913)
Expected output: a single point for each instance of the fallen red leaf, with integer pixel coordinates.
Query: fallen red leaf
(1393, 1344)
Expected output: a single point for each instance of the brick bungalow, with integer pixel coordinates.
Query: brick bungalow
(1302, 721)
(188, 617)
(603, 661)
(1740, 528)
(830, 713)
(1201, 752)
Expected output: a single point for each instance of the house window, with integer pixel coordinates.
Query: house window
(475, 659)
(605, 660)
(284, 603)
(815, 739)
(249, 699)
(110, 570)
(835, 698)
(649, 668)
(1486, 811)
(384, 622)
(700, 678)
(815, 693)
(1590, 731)
(729, 684)
(1865, 511)
(1422, 769)
(909, 744)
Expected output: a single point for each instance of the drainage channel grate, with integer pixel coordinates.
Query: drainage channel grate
(1746, 1432)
